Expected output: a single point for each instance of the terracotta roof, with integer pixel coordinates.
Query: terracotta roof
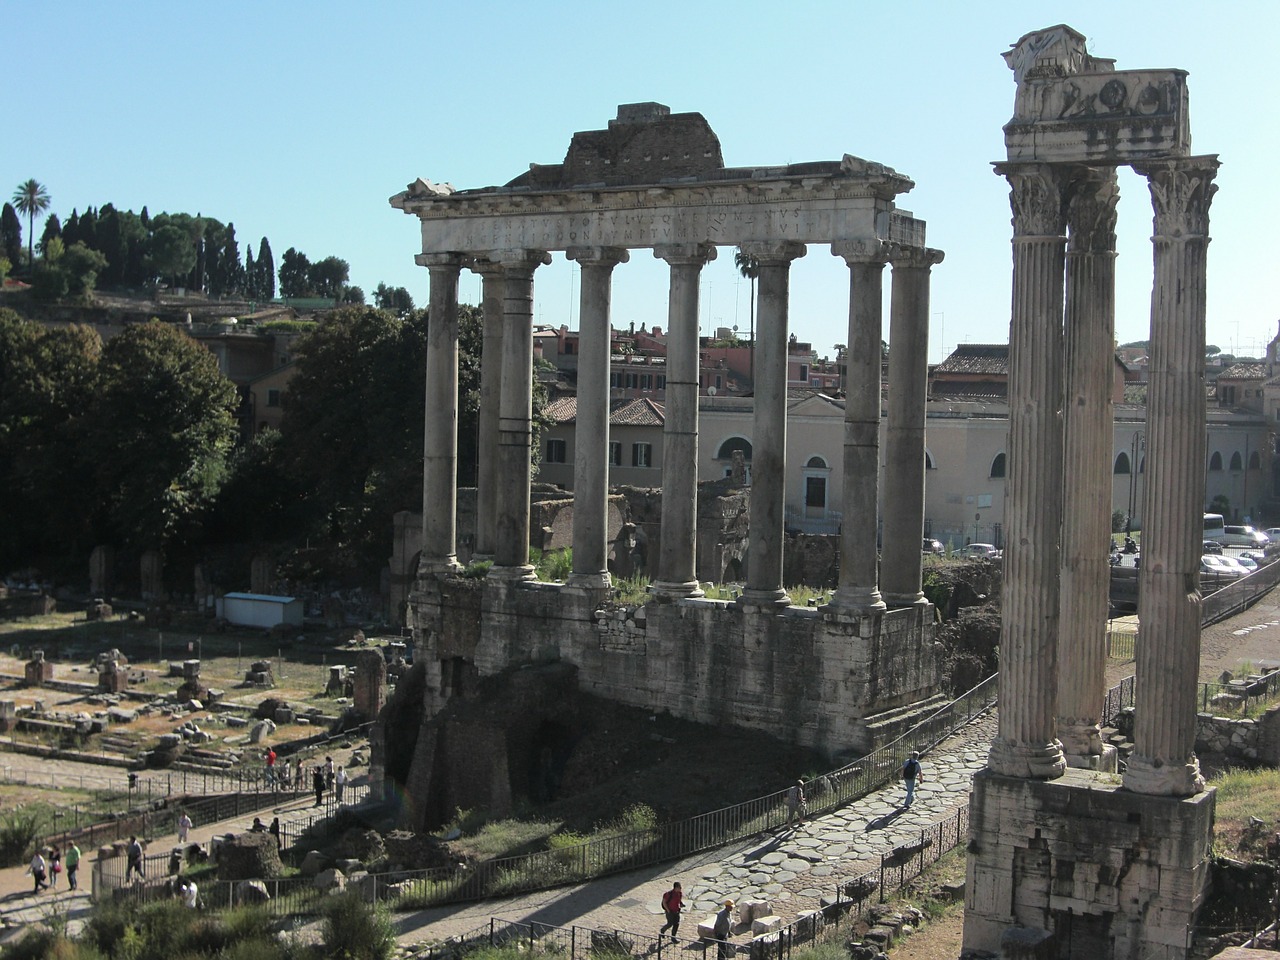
(1244, 371)
(985, 358)
(638, 412)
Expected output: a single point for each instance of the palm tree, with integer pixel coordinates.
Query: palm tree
(31, 198)
(749, 267)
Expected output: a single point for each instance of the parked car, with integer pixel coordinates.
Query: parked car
(988, 551)
(1236, 536)
(1257, 556)
(1234, 564)
(1215, 567)
(1211, 546)
(1272, 532)
(1246, 560)
(932, 546)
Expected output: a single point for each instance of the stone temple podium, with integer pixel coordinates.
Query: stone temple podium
(1066, 858)
(837, 678)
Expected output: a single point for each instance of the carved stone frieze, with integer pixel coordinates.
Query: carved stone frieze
(1036, 198)
(1181, 191)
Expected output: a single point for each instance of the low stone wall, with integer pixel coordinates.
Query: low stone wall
(1242, 742)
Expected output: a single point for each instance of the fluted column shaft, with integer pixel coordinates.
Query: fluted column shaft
(515, 416)
(591, 433)
(1026, 745)
(858, 592)
(493, 297)
(677, 558)
(1086, 519)
(440, 428)
(902, 565)
(769, 428)
(1168, 653)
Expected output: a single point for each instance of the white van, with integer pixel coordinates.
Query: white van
(1244, 537)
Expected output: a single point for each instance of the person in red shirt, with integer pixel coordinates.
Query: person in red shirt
(270, 758)
(672, 901)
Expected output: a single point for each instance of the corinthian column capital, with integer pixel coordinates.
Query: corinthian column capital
(685, 253)
(919, 257)
(1091, 211)
(1036, 197)
(1181, 191)
(598, 256)
(863, 251)
(774, 252)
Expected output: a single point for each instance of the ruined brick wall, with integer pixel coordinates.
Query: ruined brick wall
(811, 559)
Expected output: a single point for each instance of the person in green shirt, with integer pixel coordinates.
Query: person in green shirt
(72, 860)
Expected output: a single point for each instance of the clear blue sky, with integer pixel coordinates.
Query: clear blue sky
(299, 120)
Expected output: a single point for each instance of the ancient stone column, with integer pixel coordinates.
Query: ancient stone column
(493, 299)
(1086, 517)
(902, 563)
(515, 416)
(769, 429)
(1168, 653)
(677, 560)
(858, 592)
(440, 431)
(1026, 744)
(591, 434)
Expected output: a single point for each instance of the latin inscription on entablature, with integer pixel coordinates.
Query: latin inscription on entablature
(804, 222)
(1114, 117)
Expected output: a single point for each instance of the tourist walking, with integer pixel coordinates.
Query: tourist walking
(720, 931)
(134, 854)
(184, 827)
(55, 867)
(339, 782)
(672, 902)
(37, 871)
(299, 782)
(795, 804)
(912, 773)
(328, 772)
(270, 759)
(73, 864)
(190, 894)
(317, 784)
(274, 830)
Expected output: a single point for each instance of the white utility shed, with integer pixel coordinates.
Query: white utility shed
(259, 610)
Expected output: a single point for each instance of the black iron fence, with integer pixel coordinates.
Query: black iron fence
(845, 905)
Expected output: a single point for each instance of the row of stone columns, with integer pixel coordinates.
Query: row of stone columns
(506, 404)
(1053, 634)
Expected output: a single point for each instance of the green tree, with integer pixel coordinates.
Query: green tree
(172, 253)
(395, 299)
(294, 272)
(250, 274)
(266, 271)
(52, 230)
(327, 277)
(10, 233)
(31, 198)
(113, 245)
(83, 266)
(352, 295)
(161, 428)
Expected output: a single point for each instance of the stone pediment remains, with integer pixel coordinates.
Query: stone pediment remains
(1071, 106)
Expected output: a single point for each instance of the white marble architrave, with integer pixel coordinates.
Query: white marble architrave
(440, 430)
(1168, 658)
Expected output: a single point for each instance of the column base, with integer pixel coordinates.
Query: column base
(1083, 749)
(673, 590)
(589, 581)
(757, 597)
(523, 571)
(1028, 761)
(856, 602)
(903, 599)
(439, 566)
(1157, 779)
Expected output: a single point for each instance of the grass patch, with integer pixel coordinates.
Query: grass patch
(632, 591)
(1243, 795)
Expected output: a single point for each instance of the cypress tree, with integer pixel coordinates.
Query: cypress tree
(266, 271)
(250, 274)
(52, 228)
(71, 229)
(10, 234)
